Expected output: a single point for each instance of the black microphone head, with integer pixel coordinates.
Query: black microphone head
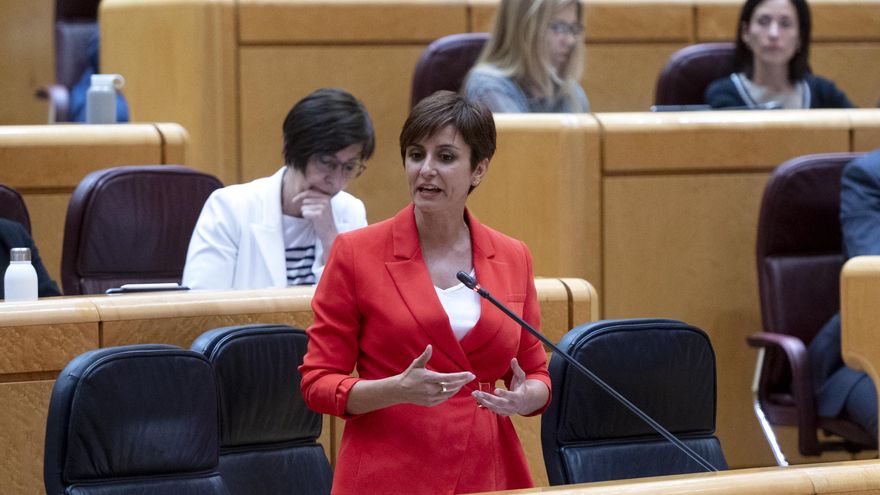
(467, 280)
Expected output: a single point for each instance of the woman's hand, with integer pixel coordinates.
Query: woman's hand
(419, 385)
(523, 396)
(415, 385)
(315, 206)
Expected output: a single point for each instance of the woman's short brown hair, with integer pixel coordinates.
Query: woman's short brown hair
(444, 108)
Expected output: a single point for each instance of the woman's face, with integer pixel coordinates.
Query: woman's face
(438, 170)
(562, 35)
(330, 173)
(773, 34)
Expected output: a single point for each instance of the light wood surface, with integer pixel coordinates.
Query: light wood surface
(688, 142)
(546, 169)
(860, 314)
(27, 59)
(855, 477)
(44, 163)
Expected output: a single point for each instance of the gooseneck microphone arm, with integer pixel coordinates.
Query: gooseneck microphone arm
(472, 284)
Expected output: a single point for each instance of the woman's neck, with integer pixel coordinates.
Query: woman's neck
(441, 229)
(773, 77)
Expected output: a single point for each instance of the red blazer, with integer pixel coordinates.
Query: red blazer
(376, 309)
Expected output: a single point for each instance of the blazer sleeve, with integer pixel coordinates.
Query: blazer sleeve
(333, 337)
(213, 248)
(860, 205)
(531, 356)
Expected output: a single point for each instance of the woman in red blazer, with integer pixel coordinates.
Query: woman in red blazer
(423, 414)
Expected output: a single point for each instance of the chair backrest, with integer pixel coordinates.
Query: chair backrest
(799, 253)
(665, 367)
(12, 207)
(133, 419)
(268, 436)
(131, 225)
(76, 25)
(445, 62)
(689, 71)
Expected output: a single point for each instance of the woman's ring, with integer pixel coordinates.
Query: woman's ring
(443, 388)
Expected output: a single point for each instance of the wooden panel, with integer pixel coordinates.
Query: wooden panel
(859, 312)
(59, 156)
(683, 247)
(838, 62)
(26, 59)
(615, 20)
(717, 19)
(584, 301)
(555, 306)
(623, 77)
(638, 20)
(46, 347)
(273, 79)
(48, 212)
(737, 140)
(22, 435)
(542, 188)
(386, 21)
(855, 477)
(174, 141)
(528, 429)
(865, 129)
(179, 61)
(851, 20)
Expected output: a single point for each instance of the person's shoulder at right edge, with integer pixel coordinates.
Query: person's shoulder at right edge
(722, 93)
(13, 234)
(860, 205)
(826, 94)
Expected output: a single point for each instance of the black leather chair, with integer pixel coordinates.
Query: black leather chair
(131, 225)
(665, 367)
(76, 26)
(12, 207)
(689, 71)
(134, 419)
(268, 436)
(445, 62)
(799, 255)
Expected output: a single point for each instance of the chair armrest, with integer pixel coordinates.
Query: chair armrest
(59, 101)
(801, 383)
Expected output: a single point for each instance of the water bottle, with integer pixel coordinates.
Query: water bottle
(20, 281)
(101, 98)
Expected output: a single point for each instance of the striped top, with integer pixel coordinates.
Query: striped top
(299, 250)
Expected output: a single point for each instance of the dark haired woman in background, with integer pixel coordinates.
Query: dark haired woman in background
(772, 62)
(277, 231)
(423, 415)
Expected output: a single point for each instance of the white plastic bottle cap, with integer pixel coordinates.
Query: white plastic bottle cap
(108, 80)
(20, 254)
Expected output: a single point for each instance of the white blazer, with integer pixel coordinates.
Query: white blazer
(238, 241)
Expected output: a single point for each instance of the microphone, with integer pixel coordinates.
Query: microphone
(472, 284)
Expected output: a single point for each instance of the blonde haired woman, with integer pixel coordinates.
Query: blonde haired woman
(533, 60)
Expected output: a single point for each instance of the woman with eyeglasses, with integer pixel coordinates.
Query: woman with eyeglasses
(772, 62)
(423, 413)
(533, 60)
(277, 231)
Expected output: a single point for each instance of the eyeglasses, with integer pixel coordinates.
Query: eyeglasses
(350, 169)
(561, 28)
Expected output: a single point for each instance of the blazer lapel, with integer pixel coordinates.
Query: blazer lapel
(491, 275)
(410, 276)
(269, 233)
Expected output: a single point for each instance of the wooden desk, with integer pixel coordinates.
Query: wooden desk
(45, 163)
(862, 477)
(39, 338)
(860, 315)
